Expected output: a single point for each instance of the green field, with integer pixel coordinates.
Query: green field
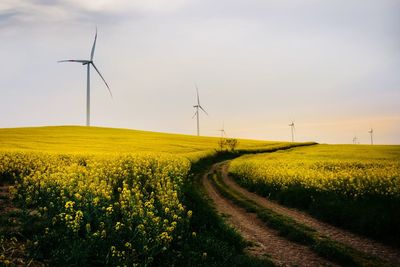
(355, 186)
(87, 196)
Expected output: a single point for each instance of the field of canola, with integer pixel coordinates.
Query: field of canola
(99, 140)
(354, 186)
(102, 196)
(124, 208)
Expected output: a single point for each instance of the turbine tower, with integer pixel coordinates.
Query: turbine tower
(89, 62)
(196, 113)
(292, 130)
(371, 132)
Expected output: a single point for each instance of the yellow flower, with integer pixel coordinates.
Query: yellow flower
(109, 209)
(128, 245)
(118, 226)
(69, 205)
(88, 228)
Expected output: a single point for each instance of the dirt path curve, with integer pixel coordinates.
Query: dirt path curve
(266, 240)
(363, 244)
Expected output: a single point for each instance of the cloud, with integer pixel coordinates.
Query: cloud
(123, 5)
(321, 63)
(36, 11)
(24, 12)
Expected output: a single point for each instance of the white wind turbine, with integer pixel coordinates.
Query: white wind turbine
(88, 63)
(355, 140)
(292, 128)
(371, 132)
(196, 113)
(222, 130)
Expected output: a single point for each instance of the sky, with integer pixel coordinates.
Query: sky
(331, 66)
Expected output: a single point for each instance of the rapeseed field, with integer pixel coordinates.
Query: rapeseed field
(356, 186)
(102, 196)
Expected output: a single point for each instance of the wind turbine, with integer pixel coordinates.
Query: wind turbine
(196, 113)
(355, 140)
(292, 129)
(371, 132)
(222, 130)
(89, 62)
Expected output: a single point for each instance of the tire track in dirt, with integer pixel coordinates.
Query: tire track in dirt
(357, 242)
(267, 241)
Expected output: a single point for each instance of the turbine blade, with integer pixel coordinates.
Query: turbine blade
(197, 91)
(94, 66)
(203, 110)
(194, 115)
(74, 60)
(94, 46)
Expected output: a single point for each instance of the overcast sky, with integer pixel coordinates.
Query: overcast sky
(333, 67)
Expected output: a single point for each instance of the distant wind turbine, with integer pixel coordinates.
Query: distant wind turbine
(371, 132)
(196, 113)
(292, 128)
(222, 130)
(88, 63)
(355, 140)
